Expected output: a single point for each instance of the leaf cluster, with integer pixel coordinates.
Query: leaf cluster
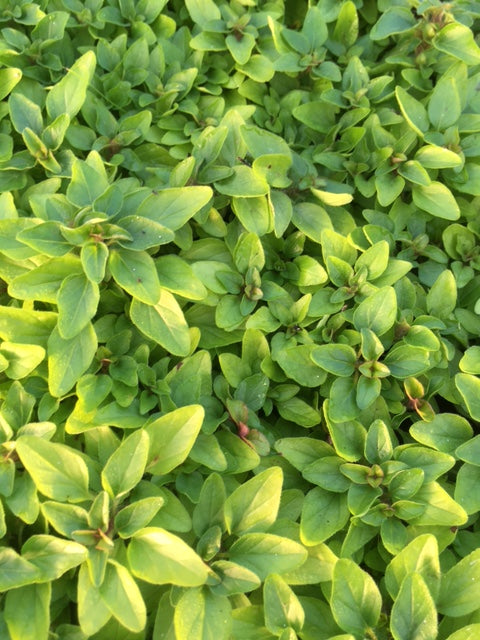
(239, 320)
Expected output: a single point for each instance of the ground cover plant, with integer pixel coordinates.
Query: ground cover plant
(239, 320)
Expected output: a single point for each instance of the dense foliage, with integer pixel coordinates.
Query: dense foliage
(239, 320)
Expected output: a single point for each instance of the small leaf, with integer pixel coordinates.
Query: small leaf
(323, 514)
(163, 322)
(436, 199)
(244, 182)
(77, 302)
(200, 614)
(58, 471)
(27, 611)
(266, 553)
(9, 78)
(460, 588)
(338, 359)
(377, 312)
(124, 468)
(413, 613)
(172, 437)
(419, 556)
(15, 570)
(122, 596)
(413, 111)
(355, 601)
(457, 40)
(159, 557)
(444, 108)
(469, 387)
(135, 272)
(254, 505)
(53, 556)
(281, 605)
(393, 21)
(69, 359)
(68, 95)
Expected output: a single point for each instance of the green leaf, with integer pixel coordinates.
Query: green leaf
(93, 613)
(200, 614)
(137, 515)
(266, 553)
(445, 432)
(209, 510)
(405, 361)
(159, 557)
(21, 359)
(413, 171)
(420, 556)
(466, 485)
(470, 361)
(124, 468)
(59, 472)
(253, 506)
(355, 600)
(163, 322)
(94, 256)
(377, 312)
(172, 208)
(53, 556)
(45, 238)
(202, 11)
(145, 233)
(68, 95)
(77, 302)
(15, 570)
(346, 27)
(69, 359)
(281, 605)
(444, 108)
(393, 21)
(9, 78)
(135, 272)
(177, 276)
(244, 183)
(254, 213)
(298, 365)
(413, 613)
(469, 451)
(26, 326)
(413, 111)
(457, 40)
(436, 199)
(43, 282)
(312, 219)
(122, 596)
(442, 296)
(338, 359)
(469, 632)
(469, 387)
(299, 412)
(259, 68)
(86, 184)
(435, 157)
(323, 514)
(240, 47)
(440, 507)
(27, 611)
(460, 588)
(375, 259)
(172, 437)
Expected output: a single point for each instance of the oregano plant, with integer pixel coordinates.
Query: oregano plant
(239, 320)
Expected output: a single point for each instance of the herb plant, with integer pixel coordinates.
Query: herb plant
(239, 320)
